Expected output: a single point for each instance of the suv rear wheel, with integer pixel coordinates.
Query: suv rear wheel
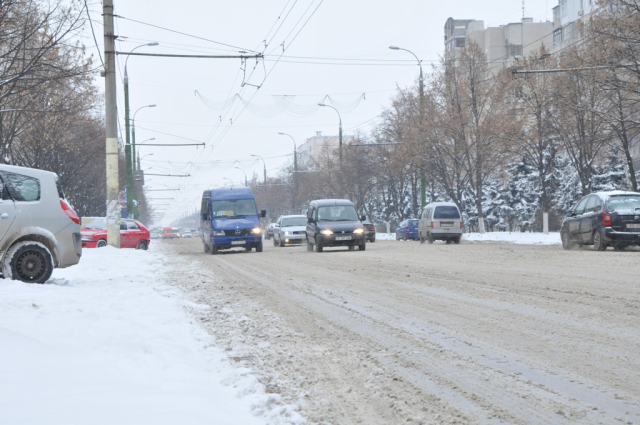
(29, 262)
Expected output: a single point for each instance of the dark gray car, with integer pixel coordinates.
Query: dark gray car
(334, 222)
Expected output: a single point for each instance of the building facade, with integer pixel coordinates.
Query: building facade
(315, 147)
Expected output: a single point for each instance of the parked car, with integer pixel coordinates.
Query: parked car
(290, 229)
(334, 222)
(369, 230)
(408, 229)
(133, 234)
(269, 233)
(603, 219)
(440, 221)
(39, 231)
(230, 219)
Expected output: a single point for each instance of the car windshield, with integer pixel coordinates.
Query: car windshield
(413, 223)
(446, 212)
(233, 208)
(294, 221)
(337, 213)
(625, 202)
(97, 225)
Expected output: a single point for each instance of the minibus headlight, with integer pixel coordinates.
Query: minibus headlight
(256, 230)
(326, 232)
(218, 233)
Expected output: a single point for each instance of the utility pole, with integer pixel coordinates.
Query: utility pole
(113, 206)
(127, 147)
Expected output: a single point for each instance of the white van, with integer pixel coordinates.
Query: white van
(440, 221)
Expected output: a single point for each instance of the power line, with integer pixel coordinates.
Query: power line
(86, 7)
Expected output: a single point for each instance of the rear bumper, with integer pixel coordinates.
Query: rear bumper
(445, 236)
(70, 250)
(626, 238)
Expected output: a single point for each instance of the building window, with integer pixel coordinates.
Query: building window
(557, 36)
(563, 8)
(514, 50)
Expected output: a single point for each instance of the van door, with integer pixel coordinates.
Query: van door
(7, 210)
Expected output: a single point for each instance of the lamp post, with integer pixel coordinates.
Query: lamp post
(134, 162)
(295, 151)
(133, 145)
(245, 175)
(339, 131)
(230, 181)
(264, 164)
(128, 154)
(423, 177)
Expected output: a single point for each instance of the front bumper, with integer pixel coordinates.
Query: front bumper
(293, 239)
(226, 242)
(89, 244)
(336, 240)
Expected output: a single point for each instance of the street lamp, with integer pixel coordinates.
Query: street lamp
(264, 164)
(295, 151)
(129, 155)
(423, 177)
(340, 130)
(230, 181)
(133, 127)
(138, 167)
(245, 175)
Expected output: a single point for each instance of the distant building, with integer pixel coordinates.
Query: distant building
(314, 147)
(500, 44)
(568, 24)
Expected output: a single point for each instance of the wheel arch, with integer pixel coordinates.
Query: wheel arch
(33, 234)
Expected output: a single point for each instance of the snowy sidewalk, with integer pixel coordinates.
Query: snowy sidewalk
(108, 342)
(553, 238)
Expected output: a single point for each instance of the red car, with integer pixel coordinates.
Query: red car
(133, 234)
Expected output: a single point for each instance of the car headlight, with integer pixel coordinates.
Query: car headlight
(358, 231)
(218, 233)
(326, 232)
(256, 230)
(286, 233)
(87, 238)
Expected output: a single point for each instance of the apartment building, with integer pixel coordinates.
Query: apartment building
(568, 22)
(312, 150)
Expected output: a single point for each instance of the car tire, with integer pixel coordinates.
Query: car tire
(430, 238)
(142, 245)
(259, 247)
(566, 241)
(457, 239)
(281, 244)
(362, 246)
(247, 248)
(214, 250)
(598, 243)
(101, 243)
(275, 243)
(28, 261)
(318, 245)
(352, 247)
(372, 240)
(206, 248)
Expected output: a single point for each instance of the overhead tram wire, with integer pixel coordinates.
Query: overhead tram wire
(185, 34)
(95, 40)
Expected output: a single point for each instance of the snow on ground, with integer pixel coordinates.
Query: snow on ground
(109, 342)
(553, 238)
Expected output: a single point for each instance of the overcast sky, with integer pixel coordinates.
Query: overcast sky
(337, 48)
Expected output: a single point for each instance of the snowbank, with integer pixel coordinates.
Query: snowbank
(553, 238)
(109, 342)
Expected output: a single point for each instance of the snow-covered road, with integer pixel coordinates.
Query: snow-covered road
(470, 333)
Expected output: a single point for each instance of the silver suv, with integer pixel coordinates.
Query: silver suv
(39, 231)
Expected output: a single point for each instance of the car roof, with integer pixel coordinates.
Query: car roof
(295, 215)
(326, 202)
(607, 194)
(32, 172)
(440, 204)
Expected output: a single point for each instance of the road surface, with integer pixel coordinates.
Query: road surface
(436, 334)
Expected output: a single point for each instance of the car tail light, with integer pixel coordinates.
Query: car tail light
(373, 229)
(461, 225)
(70, 212)
(606, 219)
(432, 224)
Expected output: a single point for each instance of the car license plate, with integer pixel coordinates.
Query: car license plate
(446, 223)
(238, 242)
(343, 238)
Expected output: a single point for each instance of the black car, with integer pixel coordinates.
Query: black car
(369, 230)
(603, 219)
(334, 222)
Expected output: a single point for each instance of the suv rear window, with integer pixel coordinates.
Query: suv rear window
(626, 202)
(412, 223)
(22, 188)
(446, 212)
